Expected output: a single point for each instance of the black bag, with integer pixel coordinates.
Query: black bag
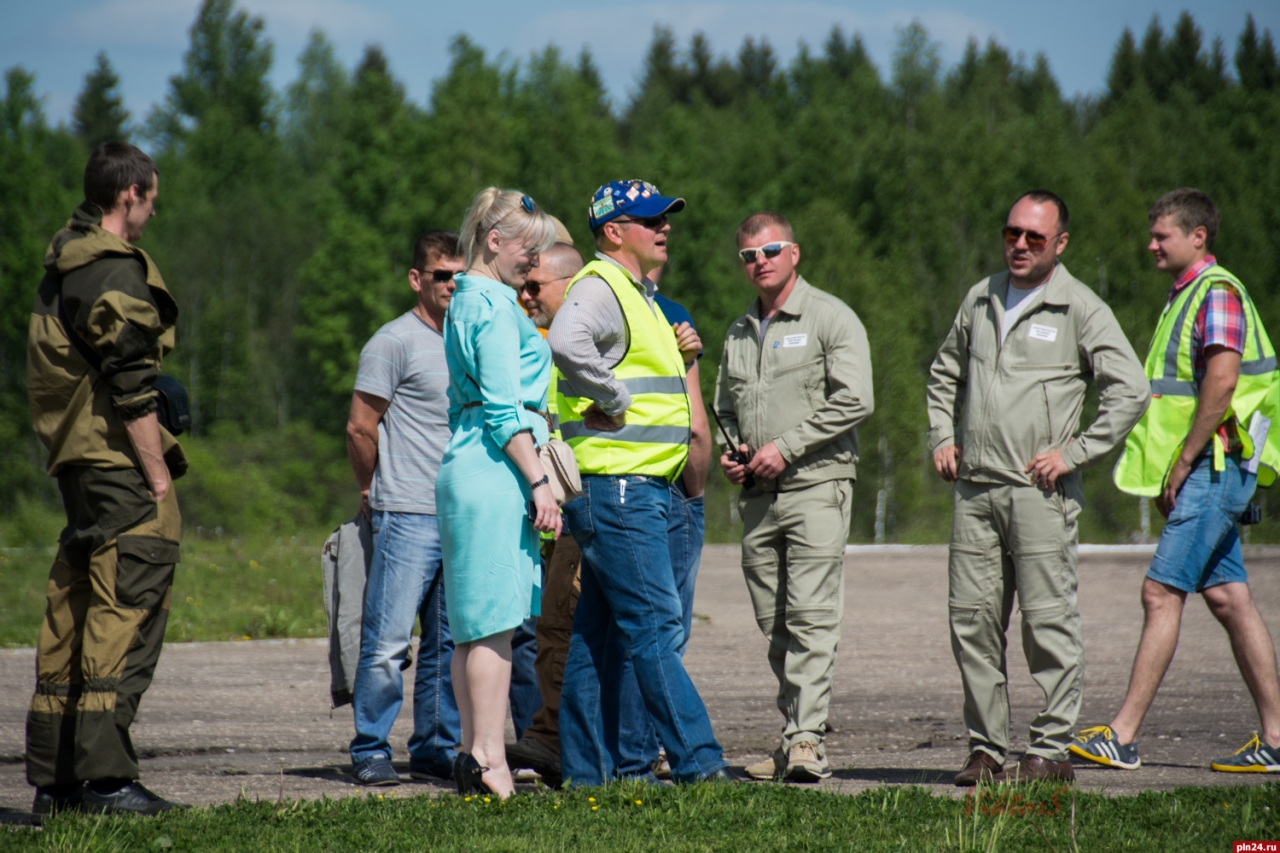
(173, 406)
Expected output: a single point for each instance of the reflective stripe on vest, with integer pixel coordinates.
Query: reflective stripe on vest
(655, 439)
(1153, 445)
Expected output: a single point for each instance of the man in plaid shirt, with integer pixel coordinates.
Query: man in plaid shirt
(1199, 549)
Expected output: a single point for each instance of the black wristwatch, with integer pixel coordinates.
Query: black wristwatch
(545, 481)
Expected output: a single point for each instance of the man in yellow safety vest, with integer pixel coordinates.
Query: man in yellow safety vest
(623, 403)
(1208, 439)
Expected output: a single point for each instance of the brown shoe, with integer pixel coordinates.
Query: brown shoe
(980, 767)
(1033, 768)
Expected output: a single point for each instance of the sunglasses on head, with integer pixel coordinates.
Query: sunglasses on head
(1035, 240)
(439, 276)
(769, 250)
(653, 223)
(528, 204)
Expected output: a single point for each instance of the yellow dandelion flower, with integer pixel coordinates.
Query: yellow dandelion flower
(466, 799)
(595, 808)
(487, 800)
(591, 799)
(639, 802)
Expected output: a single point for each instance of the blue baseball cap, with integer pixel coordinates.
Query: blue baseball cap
(640, 199)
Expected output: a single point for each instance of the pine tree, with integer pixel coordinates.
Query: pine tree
(99, 115)
(1126, 66)
(1256, 63)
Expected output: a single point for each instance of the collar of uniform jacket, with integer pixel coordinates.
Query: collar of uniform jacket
(797, 301)
(1057, 291)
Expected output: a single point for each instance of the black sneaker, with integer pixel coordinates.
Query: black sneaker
(61, 799)
(131, 799)
(376, 772)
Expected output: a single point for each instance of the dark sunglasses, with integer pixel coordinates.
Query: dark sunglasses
(439, 276)
(770, 251)
(1035, 241)
(528, 204)
(653, 223)
(532, 288)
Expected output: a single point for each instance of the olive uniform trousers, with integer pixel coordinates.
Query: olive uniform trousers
(793, 562)
(107, 606)
(1006, 539)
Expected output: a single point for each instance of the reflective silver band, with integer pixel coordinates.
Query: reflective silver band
(636, 385)
(1172, 388)
(1258, 367)
(633, 433)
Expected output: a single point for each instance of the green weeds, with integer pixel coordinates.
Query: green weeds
(631, 817)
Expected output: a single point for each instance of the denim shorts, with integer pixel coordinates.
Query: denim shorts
(1200, 545)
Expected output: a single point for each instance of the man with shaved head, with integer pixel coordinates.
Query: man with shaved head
(539, 746)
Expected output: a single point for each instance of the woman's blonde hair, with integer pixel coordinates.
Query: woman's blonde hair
(513, 214)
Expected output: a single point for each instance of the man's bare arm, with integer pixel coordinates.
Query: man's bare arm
(144, 435)
(362, 440)
(1222, 370)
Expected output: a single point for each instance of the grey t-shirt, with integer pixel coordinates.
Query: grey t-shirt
(1015, 301)
(404, 363)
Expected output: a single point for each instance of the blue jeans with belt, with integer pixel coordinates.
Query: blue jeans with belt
(631, 605)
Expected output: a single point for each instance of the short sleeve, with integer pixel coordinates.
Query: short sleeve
(382, 365)
(1224, 320)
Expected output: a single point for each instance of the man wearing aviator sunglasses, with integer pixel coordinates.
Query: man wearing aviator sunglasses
(396, 435)
(1005, 394)
(794, 383)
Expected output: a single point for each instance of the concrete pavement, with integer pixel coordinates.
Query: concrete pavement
(225, 720)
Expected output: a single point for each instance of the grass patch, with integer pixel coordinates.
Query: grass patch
(630, 817)
(225, 588)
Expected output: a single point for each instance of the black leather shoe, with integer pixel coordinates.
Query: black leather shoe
(724, 774)
(131, 799)
(534, 754)
(62, 799)
(468, 773)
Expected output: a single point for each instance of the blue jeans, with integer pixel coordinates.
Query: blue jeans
(524, 696)
(406, 579)
(1200, 545)
(637, 738)
(630, 605)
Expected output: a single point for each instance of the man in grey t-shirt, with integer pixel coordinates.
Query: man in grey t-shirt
(396, 434)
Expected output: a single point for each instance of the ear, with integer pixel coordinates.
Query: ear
(493, 240)
(1199, 236)
(795, 254)
(1062, 243)
(415, 281)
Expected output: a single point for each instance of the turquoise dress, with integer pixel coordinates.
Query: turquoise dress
(498, 366)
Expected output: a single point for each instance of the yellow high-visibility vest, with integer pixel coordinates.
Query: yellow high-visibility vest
(1154, 444)
(655, 439)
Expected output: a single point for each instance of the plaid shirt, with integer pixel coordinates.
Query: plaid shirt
(1219, 322)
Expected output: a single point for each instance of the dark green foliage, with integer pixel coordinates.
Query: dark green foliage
(287, 220)
(99, 115)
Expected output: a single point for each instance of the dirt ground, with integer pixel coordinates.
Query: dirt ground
(224, 720)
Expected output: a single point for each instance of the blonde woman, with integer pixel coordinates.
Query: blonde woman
(492, 494)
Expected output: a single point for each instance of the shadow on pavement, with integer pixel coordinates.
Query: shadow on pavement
(897, 775)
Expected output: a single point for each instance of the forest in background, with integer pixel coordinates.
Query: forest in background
(286, 220)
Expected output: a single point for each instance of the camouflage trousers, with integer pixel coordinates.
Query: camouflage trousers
(107, 607)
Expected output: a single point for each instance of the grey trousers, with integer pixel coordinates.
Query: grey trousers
(1007, 539)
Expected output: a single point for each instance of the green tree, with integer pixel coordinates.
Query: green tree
(99, 115)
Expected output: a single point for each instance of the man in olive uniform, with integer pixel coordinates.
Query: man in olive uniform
(1005, 395)
(794, 382)
(101, 324)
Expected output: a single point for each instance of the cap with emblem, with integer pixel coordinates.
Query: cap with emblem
(640, 199)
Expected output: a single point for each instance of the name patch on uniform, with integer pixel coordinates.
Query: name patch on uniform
(795, 340)
(1042, 333)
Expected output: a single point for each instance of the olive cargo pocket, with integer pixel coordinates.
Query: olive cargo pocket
(144, 570)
